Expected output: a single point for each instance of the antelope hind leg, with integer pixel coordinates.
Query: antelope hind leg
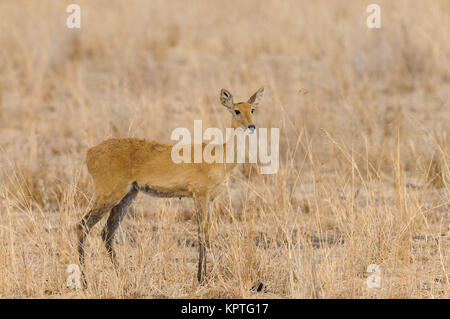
(118, 213)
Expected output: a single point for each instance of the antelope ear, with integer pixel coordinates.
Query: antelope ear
(226, 99)
(256, 98)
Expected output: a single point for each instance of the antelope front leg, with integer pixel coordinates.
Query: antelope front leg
(203, 221)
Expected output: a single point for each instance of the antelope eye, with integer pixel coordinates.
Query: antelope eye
(237, 112)
(253, 110)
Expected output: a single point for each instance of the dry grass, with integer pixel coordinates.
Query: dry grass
(365, 142)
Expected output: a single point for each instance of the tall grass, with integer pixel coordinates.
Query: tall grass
(364, 118)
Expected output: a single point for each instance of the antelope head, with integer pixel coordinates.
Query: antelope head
(242, 112)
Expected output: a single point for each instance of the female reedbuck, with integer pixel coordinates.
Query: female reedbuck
(122, 167)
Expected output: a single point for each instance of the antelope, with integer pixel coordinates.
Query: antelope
(123, 167)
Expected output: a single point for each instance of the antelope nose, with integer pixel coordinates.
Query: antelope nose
(251, 128)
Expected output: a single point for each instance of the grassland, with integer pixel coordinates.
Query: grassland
(364, 117)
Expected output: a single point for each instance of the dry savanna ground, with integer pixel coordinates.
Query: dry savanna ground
(364, 122)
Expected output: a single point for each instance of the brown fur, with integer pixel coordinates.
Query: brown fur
(122, 167)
